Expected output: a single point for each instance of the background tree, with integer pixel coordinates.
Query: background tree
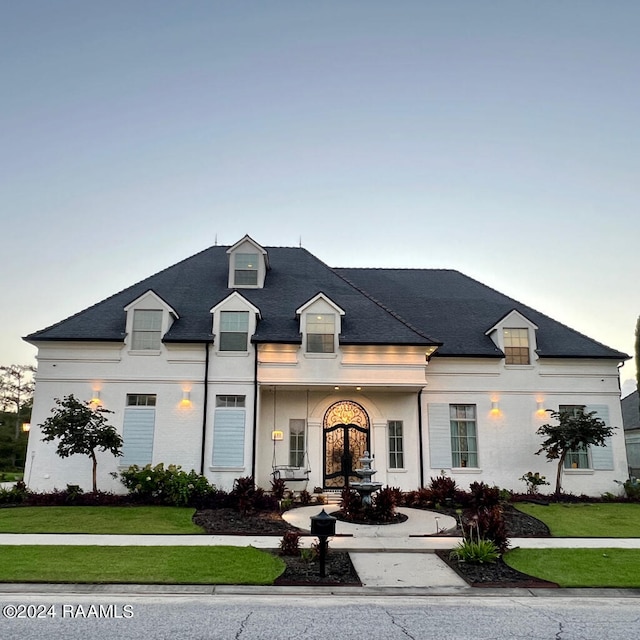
(81, 428)
(572, 432)
(16, 390)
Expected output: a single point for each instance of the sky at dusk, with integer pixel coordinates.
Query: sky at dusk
(498, 138)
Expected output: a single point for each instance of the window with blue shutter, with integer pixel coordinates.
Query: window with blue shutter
(138, 430)
(439, 435)
(228, 432)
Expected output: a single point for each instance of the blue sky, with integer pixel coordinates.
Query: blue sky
(497, 138)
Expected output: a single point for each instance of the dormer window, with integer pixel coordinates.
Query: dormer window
(234, 330)
(321, 331)
(246, 269)
(320, 325)
(516, 346)
(147, 329)
(149, 318)
(248, 265)
(515, 335)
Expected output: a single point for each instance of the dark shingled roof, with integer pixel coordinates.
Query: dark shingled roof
(382, 306)
(631, 411)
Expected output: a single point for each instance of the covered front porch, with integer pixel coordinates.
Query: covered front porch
(314, 436)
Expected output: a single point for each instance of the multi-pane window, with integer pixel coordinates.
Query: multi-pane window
(464, 440)
(246, 269)
(516, 346)
(396, 448)
(577, 458)
(234, 330)
(321, 328)
(296, 442)
(230, 402)
(147, 329)
(141, 400)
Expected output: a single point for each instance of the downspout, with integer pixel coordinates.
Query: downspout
(205, 407)
(255, 413)
(420, 442)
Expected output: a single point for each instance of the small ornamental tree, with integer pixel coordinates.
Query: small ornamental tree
(81, 428)
(572, 431)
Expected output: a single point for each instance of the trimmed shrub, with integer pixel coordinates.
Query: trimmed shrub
(167, 486)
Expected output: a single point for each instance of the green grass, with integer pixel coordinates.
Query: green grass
(597, 520)
(580, 567)
(139, 565)
(10, 476)
(124, 520)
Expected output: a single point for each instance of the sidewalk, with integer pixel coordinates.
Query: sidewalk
(388, 557)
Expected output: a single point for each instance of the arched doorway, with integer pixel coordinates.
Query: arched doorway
(346, 438)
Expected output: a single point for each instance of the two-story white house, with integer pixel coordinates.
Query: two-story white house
(250, 361)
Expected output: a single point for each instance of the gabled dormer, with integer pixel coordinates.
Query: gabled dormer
(234, 322)
(149, 317)
(515, 335)
(248, 264)
(320, 324)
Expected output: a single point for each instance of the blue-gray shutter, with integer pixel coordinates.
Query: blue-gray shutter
(439, 435)
(228, 438)
(138, 428)
(602, 457)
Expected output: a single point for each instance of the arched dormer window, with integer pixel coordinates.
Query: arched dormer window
(248, 264)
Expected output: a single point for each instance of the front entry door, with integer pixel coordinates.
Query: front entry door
(344, 445)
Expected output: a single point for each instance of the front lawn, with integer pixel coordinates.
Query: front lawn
(579, 567)
(139, 565)
(587, 520)
(113, 520)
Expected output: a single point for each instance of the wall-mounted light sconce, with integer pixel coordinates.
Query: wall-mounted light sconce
(495, 408)
(95, 398)
(358, 388)
(26, 427)
(277, 435)
(186, 399)
(337, 388)
(540, 410)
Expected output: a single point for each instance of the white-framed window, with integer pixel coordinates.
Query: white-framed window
(245, 272)
(230, 402)
(147, 329)
(234, 330)
(138, 429)
(141, 400)
(516, 346)
(296, 442)
(464, 439)
(396, 444)
(321, 330)
(576, 458)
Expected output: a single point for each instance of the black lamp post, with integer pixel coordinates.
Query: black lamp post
(324, 526)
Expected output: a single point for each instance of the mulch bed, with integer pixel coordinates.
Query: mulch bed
(339, 569)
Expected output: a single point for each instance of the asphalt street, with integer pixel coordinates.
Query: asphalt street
(342, 617)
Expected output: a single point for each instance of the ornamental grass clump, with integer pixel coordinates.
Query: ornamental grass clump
(475, 549)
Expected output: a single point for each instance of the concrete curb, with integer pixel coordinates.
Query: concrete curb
(308, 592)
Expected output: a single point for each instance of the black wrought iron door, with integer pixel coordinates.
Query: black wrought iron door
(344, 445)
